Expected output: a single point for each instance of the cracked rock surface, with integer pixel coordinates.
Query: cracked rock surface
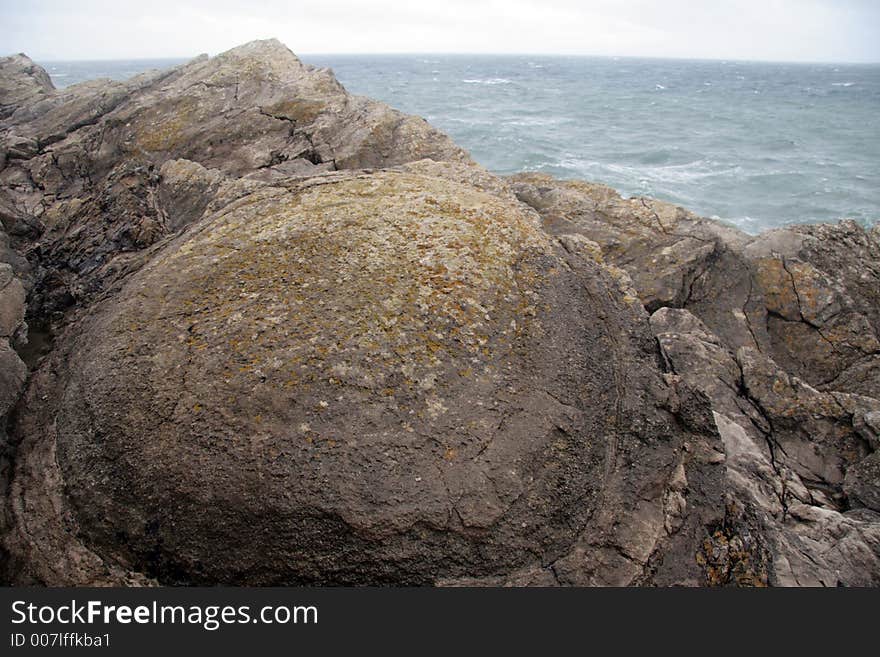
(280, 334)
(806, 296)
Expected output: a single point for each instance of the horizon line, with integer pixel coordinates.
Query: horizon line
(304, 54)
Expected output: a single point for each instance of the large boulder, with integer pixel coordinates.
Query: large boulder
(368, 378)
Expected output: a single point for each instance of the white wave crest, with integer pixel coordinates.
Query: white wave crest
(676, 174)
(487, 81)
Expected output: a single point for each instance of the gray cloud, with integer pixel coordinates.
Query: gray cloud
(790, 30)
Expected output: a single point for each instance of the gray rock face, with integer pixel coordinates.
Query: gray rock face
(862, 483)
(12, 298)
(806, 296)
(13, 330)
(786, 449)
(13, 372)
(21, 82)
(82, 176)
(303, 339)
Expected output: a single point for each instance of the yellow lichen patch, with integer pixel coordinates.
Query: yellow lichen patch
(163, 129)
(730, 556)
(360, 281)
(300, 110)
(777, 286)
(391, 288)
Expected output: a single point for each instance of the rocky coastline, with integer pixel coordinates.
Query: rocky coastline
(255, 330)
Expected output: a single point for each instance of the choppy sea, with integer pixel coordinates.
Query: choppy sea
(755, 144)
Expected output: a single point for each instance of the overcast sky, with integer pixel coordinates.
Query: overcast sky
(788, 30)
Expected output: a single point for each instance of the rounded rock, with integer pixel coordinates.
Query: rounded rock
(360, 378)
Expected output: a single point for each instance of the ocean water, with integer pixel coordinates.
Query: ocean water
(755, 144)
